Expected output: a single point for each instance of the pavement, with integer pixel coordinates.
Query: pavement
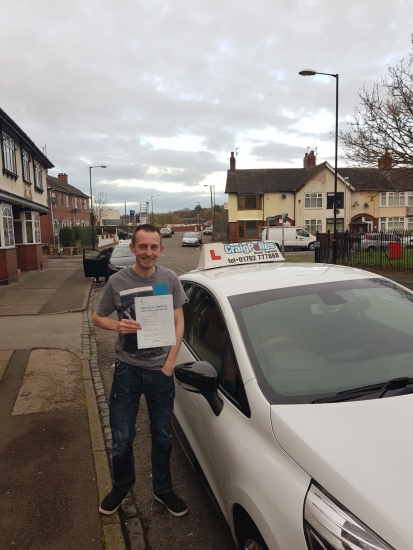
(53, 457)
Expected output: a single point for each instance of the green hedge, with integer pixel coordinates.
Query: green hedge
(67, 236)
(84, 235)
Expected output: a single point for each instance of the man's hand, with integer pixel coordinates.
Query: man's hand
(168, 369)
(128, 326)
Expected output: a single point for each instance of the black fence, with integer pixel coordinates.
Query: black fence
(385, 251)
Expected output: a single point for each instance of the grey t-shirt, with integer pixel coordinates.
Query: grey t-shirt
(116, 297)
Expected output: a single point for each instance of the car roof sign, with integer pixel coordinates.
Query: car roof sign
(252, 252)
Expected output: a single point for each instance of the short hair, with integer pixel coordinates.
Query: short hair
(149, 228)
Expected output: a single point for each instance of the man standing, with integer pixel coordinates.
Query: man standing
(141, 371)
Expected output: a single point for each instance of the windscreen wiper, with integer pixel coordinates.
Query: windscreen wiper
(347, 395)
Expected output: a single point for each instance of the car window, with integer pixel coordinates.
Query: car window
(190, 235)
(306, 342)
(122, 252)
(302, 233)
(207, 331)
(189, 291)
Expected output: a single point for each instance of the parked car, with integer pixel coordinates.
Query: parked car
(171, 230)
(121, 257)
(190, 239)
(199, 234)
(208, 230)
(377, 241)
(166, 232)
(294, 391)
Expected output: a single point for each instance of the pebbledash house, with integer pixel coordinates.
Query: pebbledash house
(23, 199)
(368, 199)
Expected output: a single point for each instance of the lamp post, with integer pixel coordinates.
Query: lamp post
(92, 214)
(212, 204)
(311, 72)
(152, 197)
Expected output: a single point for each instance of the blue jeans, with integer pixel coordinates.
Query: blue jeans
(129, 383)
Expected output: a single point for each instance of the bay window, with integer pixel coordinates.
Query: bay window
(249, 202)
(6, 226)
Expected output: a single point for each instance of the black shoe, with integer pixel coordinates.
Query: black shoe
(112, 501)
(175, 505)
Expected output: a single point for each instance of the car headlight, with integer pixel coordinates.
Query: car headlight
(328, 526)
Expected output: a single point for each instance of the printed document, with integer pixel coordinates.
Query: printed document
(156, 315)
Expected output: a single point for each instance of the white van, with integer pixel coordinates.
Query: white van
(294, 237)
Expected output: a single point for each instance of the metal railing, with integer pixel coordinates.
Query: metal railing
(384, 251)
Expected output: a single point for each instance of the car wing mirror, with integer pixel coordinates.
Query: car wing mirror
(201, 377)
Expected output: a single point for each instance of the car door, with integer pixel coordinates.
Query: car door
(207, 339)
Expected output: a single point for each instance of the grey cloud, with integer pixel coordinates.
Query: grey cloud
(95, 80)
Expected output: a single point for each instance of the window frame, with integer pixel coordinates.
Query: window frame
(26, 166)
(387, 196)
(318, 224)
(8, 226)
(38, 176)
(308, 197)
(340, 200)
(258, 201)
(8, 148)
(258, 229)
(191, 290)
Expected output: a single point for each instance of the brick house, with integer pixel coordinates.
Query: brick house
(368, 199)
(23, 201)
(69, 207)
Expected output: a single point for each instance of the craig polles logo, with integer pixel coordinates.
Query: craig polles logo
(248, 248)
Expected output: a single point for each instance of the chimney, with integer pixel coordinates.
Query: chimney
(309, 160)
(62, 178)
(385, 162)
(232, 163)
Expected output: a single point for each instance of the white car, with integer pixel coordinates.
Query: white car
(191, 238)
(294, 391)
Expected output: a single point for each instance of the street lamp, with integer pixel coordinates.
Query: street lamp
(92, 215)
(152, 197)
(212, 206)
(311, 72)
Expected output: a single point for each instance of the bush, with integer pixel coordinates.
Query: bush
(67, 236)
(84, 235)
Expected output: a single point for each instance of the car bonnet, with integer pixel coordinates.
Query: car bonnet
(361, 453)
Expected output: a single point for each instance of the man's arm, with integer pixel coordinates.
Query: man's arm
(169, 365)
(125, 326)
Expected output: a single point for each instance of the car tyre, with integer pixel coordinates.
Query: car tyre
(371, 249)
(249, 537)
(311, 246)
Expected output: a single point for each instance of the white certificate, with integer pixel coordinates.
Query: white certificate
(156, 315)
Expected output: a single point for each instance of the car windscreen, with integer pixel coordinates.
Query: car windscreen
(190, 235)
(122, 252)
(315, 341)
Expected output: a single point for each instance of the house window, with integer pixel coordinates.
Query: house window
(7, 233)
(67, 201)
(66, 223)
(388, 224)
(392, 198)
(339, 224)
(250, 229)
(9, 154)
(85, 223)
(313, 200)
(38, 183)
(75, 202)
(313, 226)
(61, 199)
(32, 227)
(330, 200)
(77, 223)
(26, 166)
(249, 202)
(410, 224)
(55, 226)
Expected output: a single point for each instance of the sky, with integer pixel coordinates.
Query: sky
(161, 91)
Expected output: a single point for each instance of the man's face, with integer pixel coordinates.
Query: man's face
(147, 247)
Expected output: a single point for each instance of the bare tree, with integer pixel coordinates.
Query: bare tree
(101, 207)
(381, 133)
